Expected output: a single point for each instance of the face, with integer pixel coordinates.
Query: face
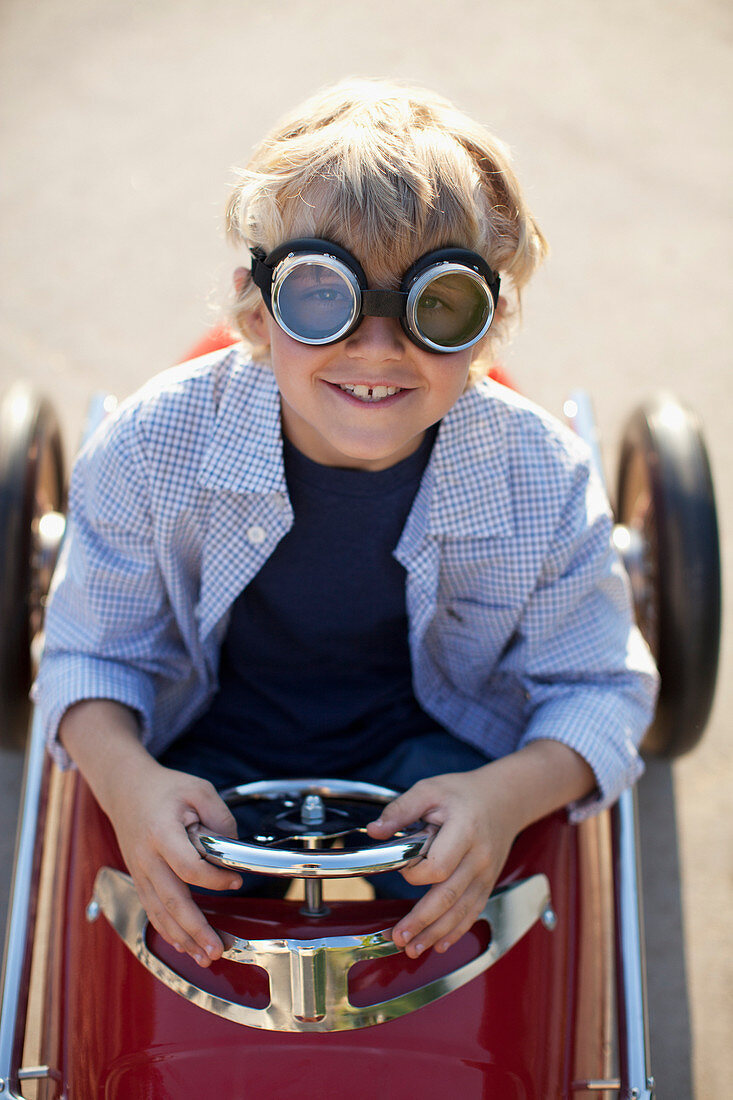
(366, 401)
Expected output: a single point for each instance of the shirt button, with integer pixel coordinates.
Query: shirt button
(256, 535)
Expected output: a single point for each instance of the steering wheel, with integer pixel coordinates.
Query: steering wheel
(312, 829)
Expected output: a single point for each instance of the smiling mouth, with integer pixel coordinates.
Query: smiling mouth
(370, 393)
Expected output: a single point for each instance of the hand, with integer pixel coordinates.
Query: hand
(150, 818)
(476, 829)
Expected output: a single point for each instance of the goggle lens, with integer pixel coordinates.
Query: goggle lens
(452, 310)
(314, 301)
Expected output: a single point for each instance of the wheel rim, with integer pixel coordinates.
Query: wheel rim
(46, 527)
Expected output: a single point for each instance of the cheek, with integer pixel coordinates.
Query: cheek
(454, 375)
(294, 365)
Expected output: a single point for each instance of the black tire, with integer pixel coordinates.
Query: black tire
(665, 493)
(31, 485)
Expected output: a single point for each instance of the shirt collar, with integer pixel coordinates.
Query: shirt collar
(247, 424)
(470, 491)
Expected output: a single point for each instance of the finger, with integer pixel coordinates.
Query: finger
(179, 920)
(231, 881)
(190, 866)
(431, 908)
(168, 928)
(449, 847)
(445, 941)
(446, 931)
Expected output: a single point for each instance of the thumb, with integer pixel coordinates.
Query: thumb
(400, 812)
(213, 812)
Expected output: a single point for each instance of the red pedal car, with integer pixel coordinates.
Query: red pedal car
(543, 998)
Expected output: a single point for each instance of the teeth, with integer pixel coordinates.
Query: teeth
(370, 393)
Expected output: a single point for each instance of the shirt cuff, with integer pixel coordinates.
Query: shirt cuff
(598, 727)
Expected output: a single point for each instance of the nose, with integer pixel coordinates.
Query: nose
(379, 338)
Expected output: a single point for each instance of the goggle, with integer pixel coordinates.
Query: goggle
(318, 294)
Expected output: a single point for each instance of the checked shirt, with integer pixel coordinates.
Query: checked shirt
(519, 614)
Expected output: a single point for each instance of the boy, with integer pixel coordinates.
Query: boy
(335, 550)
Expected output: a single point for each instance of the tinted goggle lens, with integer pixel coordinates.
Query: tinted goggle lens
(313, 301)
(451, 310)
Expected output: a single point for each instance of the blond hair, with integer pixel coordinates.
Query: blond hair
(388, 172)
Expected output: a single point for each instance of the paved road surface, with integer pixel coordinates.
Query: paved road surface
(118, 126)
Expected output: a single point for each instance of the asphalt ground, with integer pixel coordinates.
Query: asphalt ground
(119, 124)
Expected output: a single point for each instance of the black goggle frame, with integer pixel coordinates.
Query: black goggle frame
(270, 271)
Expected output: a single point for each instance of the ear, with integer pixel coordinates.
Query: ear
(258, 324)
(256, 319)
(241, 278)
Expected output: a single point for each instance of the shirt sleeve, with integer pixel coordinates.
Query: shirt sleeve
(110, 632)
(588, 677)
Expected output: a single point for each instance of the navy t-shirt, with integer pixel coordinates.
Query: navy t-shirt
(315, 675)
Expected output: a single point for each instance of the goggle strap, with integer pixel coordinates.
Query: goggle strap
(260, 272)
(383, 303)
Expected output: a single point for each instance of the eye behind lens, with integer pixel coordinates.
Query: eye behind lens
(450, 307)
(315, 298)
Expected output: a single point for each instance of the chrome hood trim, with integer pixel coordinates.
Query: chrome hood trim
(309, 978)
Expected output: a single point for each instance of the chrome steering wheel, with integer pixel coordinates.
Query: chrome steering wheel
(312, 829)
